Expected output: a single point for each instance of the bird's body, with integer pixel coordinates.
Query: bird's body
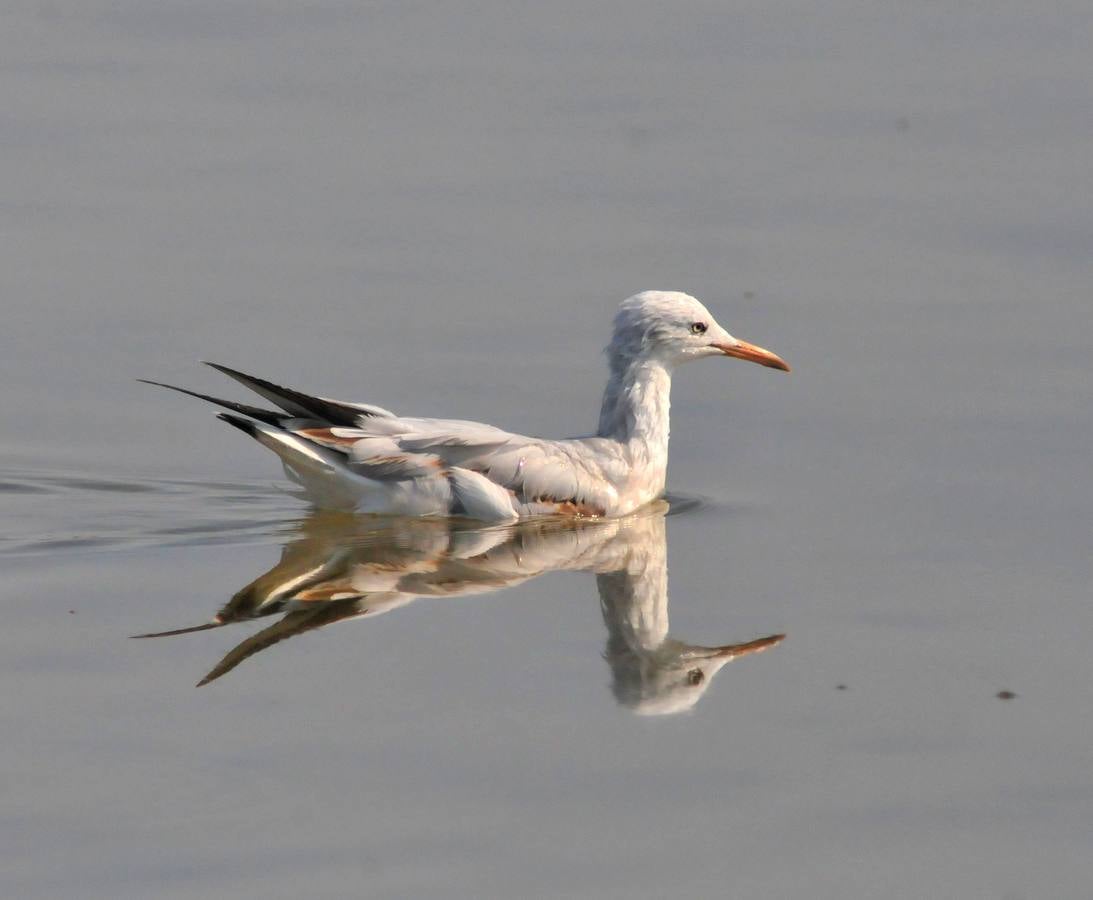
(368, 459)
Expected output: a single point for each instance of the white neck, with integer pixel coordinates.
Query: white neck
(635, 413)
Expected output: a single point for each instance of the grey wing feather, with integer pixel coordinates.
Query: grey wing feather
(380, 445)
(541, 471)
(397, 468)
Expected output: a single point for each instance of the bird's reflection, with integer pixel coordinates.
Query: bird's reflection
(345, 567)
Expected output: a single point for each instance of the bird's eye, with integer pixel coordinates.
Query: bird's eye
(695, 676)
(698, 328)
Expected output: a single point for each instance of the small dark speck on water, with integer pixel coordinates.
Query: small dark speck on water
(72, 612)
(1005, 695)
(749, 295)
(840, 687)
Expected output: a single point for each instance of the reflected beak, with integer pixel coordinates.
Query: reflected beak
(752, 353)
(733, 651)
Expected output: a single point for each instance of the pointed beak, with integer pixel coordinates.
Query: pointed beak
(734, 651)
(752, 353)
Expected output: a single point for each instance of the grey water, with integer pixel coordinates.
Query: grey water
(436, 208)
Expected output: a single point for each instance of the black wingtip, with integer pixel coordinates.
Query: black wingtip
(235, 373)
(244, 425)
(169, 387)
(262, 415)
(296, 403)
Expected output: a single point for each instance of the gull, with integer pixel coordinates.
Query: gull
(364, 458)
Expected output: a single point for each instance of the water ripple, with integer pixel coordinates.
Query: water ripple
(63, 512)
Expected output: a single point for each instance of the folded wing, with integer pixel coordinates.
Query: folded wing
(368, 458)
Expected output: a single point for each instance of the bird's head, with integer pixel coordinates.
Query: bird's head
(671, 327)
(673, 677)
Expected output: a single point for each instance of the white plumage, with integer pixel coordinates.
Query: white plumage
(368, 459)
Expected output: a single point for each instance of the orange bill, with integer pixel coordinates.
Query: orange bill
(753, 353)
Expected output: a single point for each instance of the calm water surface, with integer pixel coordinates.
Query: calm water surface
(437, 210)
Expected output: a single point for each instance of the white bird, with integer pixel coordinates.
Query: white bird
(360, 457)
